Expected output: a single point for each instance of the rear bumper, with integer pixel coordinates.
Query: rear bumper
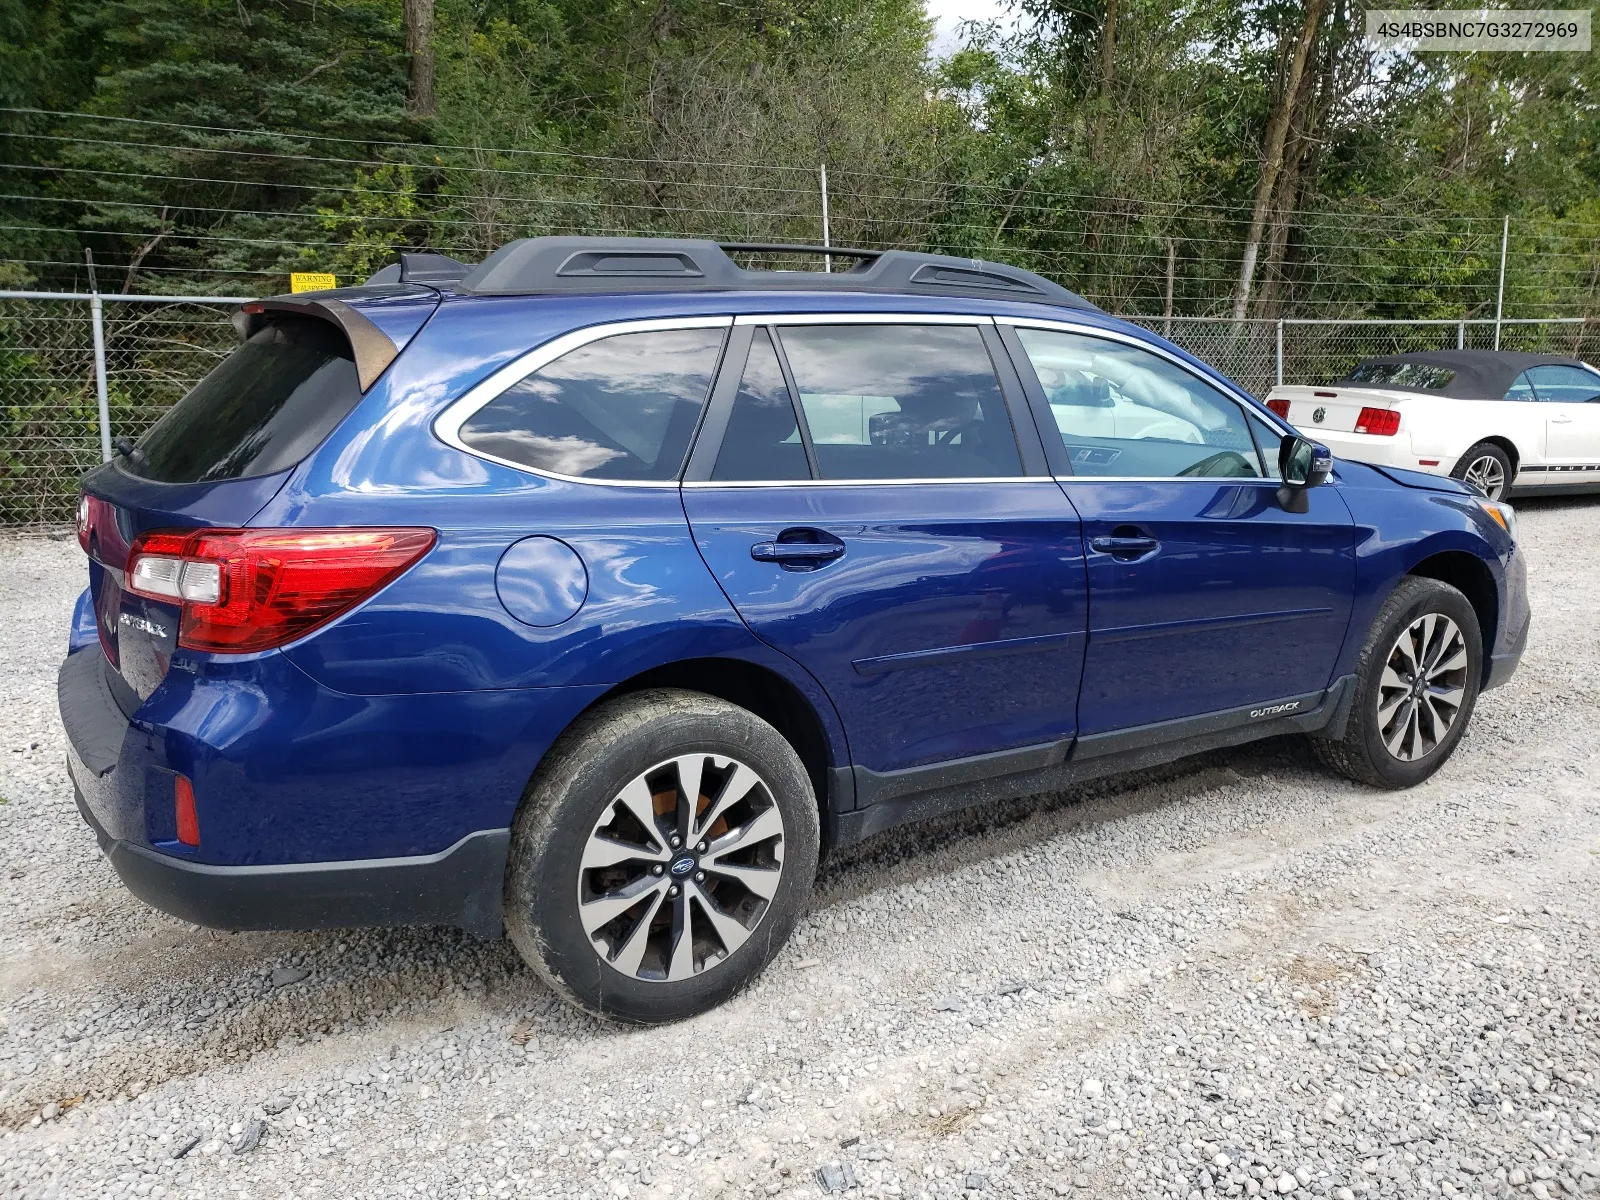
(316, 810)
(460, 886)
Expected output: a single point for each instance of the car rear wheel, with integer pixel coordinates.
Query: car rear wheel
(1486, 467)
(1417, 682)
(661, 857)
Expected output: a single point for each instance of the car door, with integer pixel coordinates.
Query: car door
(859, 494)
(1570, 399)
(1206, 594)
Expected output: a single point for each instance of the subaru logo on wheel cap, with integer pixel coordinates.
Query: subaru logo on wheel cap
(682, 866)
(1318, 415)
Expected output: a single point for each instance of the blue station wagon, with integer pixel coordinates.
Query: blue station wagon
(590, 594)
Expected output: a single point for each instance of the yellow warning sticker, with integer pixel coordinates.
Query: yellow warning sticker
(311, 281)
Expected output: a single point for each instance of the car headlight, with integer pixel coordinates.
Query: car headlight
(1502, 514)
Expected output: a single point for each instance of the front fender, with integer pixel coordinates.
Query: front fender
(1399, 528)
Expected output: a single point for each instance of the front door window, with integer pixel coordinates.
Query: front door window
(1124, 412)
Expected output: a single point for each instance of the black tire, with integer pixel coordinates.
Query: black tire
(1362, 753)
(581, 782)
(1471, 463)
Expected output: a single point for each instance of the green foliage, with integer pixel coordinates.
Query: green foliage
(370, 222)
(204, 183)
(252, 137)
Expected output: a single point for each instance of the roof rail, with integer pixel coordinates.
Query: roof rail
(557, 265)
(787, 248)
(422, 267)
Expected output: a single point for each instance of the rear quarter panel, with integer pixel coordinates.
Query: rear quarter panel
(1446, 429)
(442, 627)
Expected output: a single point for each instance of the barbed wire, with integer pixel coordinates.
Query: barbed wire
(949, 230)
(1243, 210)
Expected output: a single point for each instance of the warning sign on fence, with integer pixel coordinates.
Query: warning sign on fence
(311, 281)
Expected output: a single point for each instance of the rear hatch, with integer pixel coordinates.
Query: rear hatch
(1335, 408)
(223, 451)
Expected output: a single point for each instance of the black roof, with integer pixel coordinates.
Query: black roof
(1479, 374)
(546, 265)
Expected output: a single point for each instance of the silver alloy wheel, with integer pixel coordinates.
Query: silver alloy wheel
(681, 867)
(1487, 474)
(1422, 688)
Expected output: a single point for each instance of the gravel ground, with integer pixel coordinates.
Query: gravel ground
(1235, 976)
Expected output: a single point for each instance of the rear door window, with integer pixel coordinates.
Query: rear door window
(622, 408)
(900, 401)
(762, 441)
(261, 410)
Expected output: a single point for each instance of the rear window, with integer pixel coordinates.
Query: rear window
(263, 409)
(901, 402)
(624, 407)
(1400, 375)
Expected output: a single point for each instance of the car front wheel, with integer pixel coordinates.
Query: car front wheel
(662, 855)
(1417, 682)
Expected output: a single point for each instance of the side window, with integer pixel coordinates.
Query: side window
(1268, 441)
(620, 408)
(1124, 411)
(1564, 385)
(1520, 389)
(900, 401)
(762, 440)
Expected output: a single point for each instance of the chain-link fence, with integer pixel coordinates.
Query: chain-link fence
(63, 404)
(1260, 353)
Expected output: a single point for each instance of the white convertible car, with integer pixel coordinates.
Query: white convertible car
(1497, 419)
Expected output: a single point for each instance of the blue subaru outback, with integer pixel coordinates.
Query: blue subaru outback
(591, 593)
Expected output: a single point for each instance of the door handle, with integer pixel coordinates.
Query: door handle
(1124, 548)
(1561, 420)
(794, 551)
(799, 549)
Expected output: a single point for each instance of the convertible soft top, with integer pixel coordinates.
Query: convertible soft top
(1475, 374)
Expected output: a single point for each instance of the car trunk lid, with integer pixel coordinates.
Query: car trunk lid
(1334, 408)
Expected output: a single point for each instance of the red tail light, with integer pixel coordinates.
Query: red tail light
(243, 590)
(1384, 422)
(1281, 407)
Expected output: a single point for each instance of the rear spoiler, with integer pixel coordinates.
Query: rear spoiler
(374, 349)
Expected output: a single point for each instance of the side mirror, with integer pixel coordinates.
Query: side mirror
(1301, 465)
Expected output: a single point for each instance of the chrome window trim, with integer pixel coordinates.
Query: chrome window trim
(1211, 479)
(1253, 406)
(803, 483)
(447, 425)
(859, 318)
